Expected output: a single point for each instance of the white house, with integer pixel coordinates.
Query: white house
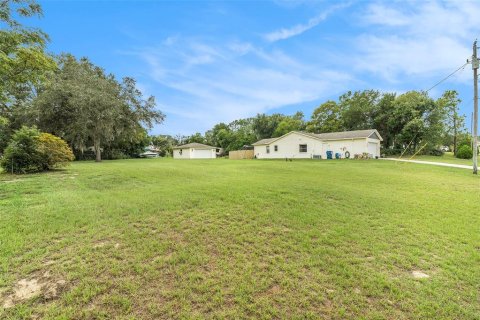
(194, 151)
(303, 145)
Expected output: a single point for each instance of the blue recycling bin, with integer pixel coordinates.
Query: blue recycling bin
(329, 154)
(338, 155)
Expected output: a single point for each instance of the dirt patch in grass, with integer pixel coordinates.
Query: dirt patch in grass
(43, 285)
(100, 244)
(110, 243)
(419, 274)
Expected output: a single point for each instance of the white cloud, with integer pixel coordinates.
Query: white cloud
(393, 57)
(241, 48)
(379, 14)
(239, 81)
(416, 40)
(170, 40)
(285, 33)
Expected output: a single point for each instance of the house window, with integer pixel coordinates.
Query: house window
(302, 148)
(275, 148)
(180, 152)
(268, 149)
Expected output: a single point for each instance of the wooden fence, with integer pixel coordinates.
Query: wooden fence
(240, 154)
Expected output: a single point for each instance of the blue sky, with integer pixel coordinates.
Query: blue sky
(210, 62)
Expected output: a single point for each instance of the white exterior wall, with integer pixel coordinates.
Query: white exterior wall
(203, 153)
(354, 146)
(185, 154)
(191, 153)
(288, 147)
(377, 142)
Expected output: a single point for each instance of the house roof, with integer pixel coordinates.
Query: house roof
(356, 134)
(194, 145)
(264, 141)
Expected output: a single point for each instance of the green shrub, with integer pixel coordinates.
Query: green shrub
(55, 152)
(436, 152)
(21, 154)
(465, 141)
(114, 154)
(31, 151)
(391, 152)
(464, 152)
(85, 155)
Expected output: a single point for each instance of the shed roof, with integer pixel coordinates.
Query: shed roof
(356, 134)
(194, 145)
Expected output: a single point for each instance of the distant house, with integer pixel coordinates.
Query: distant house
(304, 145)
(194, 151)
(150, 152)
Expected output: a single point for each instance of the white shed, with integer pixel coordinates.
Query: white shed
(304, 145)
(194, 151)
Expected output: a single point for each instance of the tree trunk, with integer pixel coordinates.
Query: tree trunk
(98, 152)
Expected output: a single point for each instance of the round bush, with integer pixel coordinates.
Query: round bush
(55, 152)
(464, 152)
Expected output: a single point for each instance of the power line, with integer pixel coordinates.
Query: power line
(451, 74)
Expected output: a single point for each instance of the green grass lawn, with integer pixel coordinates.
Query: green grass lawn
(448, 157)
(163, 239)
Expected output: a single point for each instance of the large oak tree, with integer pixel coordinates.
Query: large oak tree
(87, 107)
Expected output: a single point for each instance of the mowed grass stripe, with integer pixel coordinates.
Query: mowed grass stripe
(159, 238)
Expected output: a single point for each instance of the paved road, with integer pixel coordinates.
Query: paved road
(443, 164)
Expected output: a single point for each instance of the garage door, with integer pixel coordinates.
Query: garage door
(202, 153)
(372, 149)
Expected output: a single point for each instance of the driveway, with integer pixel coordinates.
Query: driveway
(442, 164)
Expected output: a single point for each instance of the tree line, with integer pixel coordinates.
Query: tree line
(407, 122)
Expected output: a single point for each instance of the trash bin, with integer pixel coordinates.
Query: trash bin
(329, 154)
(338, 155)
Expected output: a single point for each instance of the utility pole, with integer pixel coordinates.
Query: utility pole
(471, 129)
(475, 106)
(455, 116)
